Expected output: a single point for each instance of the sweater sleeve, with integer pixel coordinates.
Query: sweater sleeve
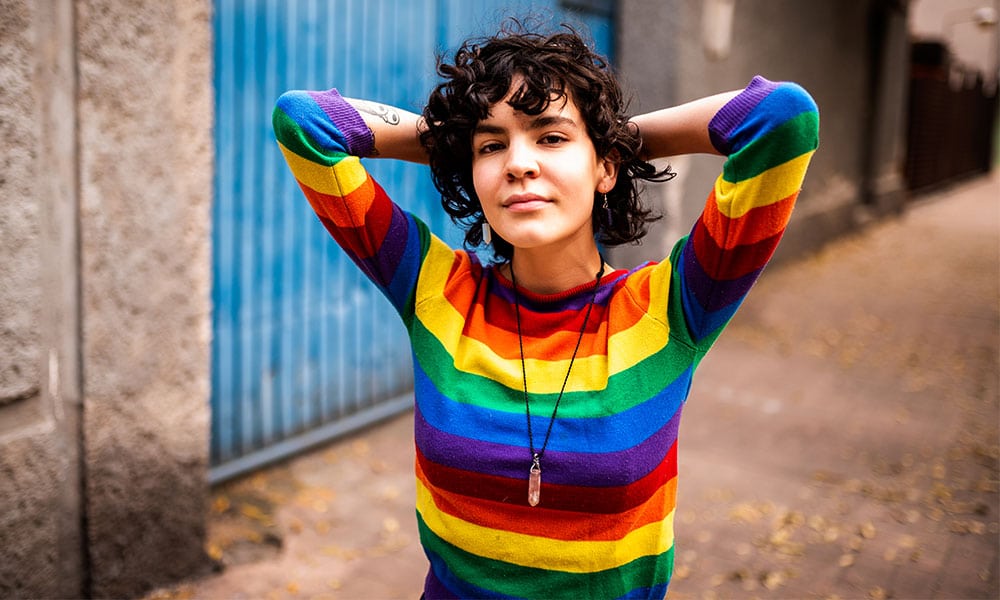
(768, 133)
(322, 138)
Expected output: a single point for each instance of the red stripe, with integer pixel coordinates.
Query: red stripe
(362, 218)
(544, 521)
(726, 265)
(757, 224)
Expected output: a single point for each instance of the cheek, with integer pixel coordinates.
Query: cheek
(479, 177)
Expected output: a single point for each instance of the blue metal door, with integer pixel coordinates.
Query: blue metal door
(303, 349)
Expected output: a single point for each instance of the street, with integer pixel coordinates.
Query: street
(841, 441)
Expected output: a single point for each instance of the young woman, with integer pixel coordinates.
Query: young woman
(548, 384)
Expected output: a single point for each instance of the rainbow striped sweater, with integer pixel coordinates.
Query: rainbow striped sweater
(604, 527)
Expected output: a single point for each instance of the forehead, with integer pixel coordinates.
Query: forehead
(562, 107)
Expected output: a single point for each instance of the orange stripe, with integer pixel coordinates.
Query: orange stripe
(558, 346)
(346, 211)
(501, 335)
(626, 312)
(757, 224)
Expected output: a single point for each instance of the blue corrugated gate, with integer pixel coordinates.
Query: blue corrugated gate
(303, 349)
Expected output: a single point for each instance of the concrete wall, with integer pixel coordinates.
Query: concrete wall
(106, 116)
(672, 51)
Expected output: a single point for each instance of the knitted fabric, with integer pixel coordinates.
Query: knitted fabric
(604, 527)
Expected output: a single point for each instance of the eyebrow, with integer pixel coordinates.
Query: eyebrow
(539, 122)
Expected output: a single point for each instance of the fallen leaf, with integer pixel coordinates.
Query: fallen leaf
(867, 530)
(773, 580)
(214, 551)
(220, 505)
(253, 512)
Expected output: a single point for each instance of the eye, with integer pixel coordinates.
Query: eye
(489, 147)
(551, 139)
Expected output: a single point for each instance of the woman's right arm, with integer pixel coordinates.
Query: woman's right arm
(322, 136)
(395, 132)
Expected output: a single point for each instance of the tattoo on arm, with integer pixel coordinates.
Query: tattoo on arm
(386, 113)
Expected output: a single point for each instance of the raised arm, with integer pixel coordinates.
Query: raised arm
(396, 131)
(322, 136)
(681, 129)
(768, 132)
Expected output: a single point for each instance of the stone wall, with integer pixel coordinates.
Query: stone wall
(106, 116)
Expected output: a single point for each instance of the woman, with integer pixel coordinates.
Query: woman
(548, 384)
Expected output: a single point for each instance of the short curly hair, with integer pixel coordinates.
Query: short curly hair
(551, 67)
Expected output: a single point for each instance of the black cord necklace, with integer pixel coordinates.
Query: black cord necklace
(535, 473)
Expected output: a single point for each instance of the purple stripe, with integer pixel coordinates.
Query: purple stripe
(707, 290)
(360, 141)
(721, 127)
(388, 255)
(435, 590)
(569, 468)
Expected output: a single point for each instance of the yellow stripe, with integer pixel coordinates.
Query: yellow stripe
(339, 180)
(434, 271)
(737, 199)
(541, 552)
(630, 346)
(627, 347)
(649, 334)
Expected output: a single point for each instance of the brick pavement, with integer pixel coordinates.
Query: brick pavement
(841, 442)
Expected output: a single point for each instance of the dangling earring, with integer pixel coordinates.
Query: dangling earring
(607, 210)
(487, 234)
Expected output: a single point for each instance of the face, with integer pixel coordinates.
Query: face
(536, 175)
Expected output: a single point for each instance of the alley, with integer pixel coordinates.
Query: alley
(841, 442)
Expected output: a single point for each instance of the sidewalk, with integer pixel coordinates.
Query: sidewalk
(841, 441)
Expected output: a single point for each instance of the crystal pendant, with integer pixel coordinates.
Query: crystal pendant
(535, 483)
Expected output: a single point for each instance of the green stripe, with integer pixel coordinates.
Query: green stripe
(625, 389)
(293, 137)
(424, 234)
(791, 139)
(675, 306)
(529, 582)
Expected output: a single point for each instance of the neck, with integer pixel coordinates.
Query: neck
(540, 273)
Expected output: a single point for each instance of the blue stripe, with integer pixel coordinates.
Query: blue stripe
(405, 278)
(703, 323)
(612, 433)
(314, 122)
(784, 103)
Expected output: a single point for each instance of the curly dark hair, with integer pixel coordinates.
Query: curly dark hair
(556, 66)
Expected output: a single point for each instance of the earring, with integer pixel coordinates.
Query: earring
(607, 210)
(487, 234)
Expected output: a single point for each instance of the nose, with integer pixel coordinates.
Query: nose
(521, 160)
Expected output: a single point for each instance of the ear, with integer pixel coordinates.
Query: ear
(609, 166)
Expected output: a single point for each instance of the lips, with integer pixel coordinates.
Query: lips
(522, 202)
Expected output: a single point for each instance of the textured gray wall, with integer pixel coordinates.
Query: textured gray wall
(40, 524)
(106, 180)
(822, 44)
(145, 105)
(19, 220)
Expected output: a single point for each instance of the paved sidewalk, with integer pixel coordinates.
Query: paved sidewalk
(841, 442)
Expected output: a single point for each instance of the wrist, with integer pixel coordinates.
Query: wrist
(360, 139)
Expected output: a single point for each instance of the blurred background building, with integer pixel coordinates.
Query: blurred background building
(173, 316)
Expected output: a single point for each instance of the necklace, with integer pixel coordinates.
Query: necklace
(535, 472)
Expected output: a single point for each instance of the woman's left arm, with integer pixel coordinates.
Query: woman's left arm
(768, 132)
(681, 129)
